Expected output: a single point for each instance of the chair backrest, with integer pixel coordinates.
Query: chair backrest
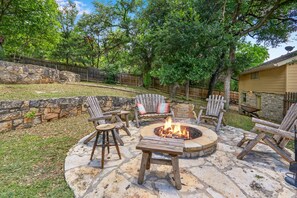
(290, 118)
(287, 125)
(94, 109)
(150, 101)
(214, 105)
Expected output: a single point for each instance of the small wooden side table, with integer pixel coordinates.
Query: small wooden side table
(105, 129)
(172, 147)
(126, 114)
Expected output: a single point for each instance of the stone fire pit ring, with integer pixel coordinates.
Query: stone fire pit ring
(198, 147)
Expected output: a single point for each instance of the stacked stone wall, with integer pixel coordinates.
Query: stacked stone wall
(25, 114)
(272, 105)
(17, 73)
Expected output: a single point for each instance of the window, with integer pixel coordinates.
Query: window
(243, 97)
(259, 101)
(255, 75)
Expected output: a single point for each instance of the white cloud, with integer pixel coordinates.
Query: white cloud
(80, 6)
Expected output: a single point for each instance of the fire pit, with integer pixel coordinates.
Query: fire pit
(199, 141)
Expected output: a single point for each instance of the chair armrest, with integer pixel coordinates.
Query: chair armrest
(264, 122)
(202, 108)
(100, 118)
(274, 131)
(115, 112)
(223, 110)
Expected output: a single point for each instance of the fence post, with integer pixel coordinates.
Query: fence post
(87, 75)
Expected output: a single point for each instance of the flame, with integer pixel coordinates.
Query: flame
(168, 123)
(173, 131)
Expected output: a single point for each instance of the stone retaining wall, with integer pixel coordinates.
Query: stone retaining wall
(26, 74)
(25, 114)
(17, 73)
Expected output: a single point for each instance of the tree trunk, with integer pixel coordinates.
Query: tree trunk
(173, 89)
(229, 75)
(212, 82)
(227, 87)
(187, 89)
(215, 75)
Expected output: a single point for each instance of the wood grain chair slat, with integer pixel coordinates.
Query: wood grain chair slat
(214, 111)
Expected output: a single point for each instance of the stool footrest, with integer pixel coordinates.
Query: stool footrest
(161, 161)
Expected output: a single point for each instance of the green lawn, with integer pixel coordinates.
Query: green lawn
(37, 91)
(32, 159)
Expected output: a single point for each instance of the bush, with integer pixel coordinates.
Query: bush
(110, 78)
(147, 80)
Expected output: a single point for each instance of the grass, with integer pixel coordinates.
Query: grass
(32, 159)
(234, 119)
(36, 91)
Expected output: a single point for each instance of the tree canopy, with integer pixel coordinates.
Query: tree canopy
(178, 41)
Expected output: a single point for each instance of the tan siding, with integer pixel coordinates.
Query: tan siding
(270, 81)
(292, 78)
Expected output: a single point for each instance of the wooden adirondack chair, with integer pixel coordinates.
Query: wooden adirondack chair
(150, 102)
(214, 111)
(282, 134)
(98, 117)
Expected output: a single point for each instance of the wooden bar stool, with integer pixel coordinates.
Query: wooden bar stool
(172, 147)
(105, 129)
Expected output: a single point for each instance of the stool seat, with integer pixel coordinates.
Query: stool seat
(105, 127)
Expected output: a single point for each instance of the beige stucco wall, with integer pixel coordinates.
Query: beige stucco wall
(269, 81)
(291, 82)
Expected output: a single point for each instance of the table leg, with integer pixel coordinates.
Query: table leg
(176, 174)
(103, 150)
(148, 164)
(127, 120)
(144, 160)
(107, 141)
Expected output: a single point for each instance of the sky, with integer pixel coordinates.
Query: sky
(86, 6)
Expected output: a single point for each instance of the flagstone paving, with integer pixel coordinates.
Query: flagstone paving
(260, 174)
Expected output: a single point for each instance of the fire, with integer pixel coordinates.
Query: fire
(173, 131)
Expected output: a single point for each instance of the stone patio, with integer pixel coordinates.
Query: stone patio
(260, 174)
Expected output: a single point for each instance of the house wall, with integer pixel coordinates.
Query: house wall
(291, 77)
(269, 81)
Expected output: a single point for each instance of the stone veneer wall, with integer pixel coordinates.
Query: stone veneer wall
(16, 114)
(24, 73)
(17, 73)
(271, 105)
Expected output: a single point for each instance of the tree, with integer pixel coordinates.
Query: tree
(28, 26)
(67, 46)
(267, 21)
(186, 47)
